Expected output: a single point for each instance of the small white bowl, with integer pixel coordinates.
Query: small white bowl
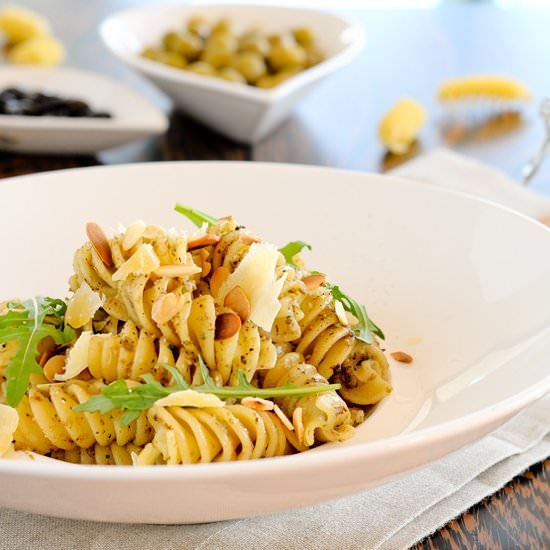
(242, 112)
(133, 116)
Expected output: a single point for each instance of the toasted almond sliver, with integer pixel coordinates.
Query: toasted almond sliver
(402, 357)
(218, 278)
(283, 417)
(133, 234)
(314, 281)
(227, 325)
(249, 239)
(258, 404)
(166, 307)
(205, 240)
(100, 242)
(341, 313)
(237, 300)
(54, 365)
(298, 423)
(177, 270)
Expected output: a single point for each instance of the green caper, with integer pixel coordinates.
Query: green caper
(251, 65)
(200, 67)
(228, 73)
(304, 36)
(186, 44)
(283, 56)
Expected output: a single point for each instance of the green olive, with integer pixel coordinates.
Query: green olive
(304, 36)
(255, 43)
(216, 56)
(227, 73)
(283, 56)
(223, 26)
(222, 40)
(172, 59)
(186, 44)
(200, 67)
(198, 26)
(272, 80)
(251, 65)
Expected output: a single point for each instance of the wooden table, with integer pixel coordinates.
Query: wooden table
(408, 54)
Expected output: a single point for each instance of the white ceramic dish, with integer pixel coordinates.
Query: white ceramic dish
(241, 112)
(134, 117)
(461, 284)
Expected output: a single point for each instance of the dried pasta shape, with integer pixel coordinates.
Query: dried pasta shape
(325, 416)
(48, 421)
(192, 435)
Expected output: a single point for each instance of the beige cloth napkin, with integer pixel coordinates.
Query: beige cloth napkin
(390, 517)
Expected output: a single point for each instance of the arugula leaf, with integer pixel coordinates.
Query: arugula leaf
(366, 328)
(135, 399)
(291, 249)
(28, 323)
(196, 216)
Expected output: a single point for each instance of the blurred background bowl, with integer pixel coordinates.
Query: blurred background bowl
(241, 112)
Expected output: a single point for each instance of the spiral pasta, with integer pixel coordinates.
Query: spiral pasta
(47, 421)
(165, 349)
(235, 432)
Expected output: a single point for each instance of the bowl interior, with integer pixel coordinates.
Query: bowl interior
(460, 284)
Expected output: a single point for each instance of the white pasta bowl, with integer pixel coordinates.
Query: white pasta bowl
(133, 116)
(461, 284)
(242, 112)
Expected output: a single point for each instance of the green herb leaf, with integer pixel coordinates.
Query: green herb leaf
(196, 216)
(138, 398)
(366, 328)
(291, 249)
(28, 323)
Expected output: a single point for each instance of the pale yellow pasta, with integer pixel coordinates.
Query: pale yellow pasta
(326, 416)
(48, 421)
(111, 455)
(234, 432)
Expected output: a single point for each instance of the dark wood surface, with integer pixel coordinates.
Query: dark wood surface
(408, 53)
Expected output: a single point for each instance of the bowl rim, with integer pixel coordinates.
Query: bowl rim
(482, 419)
(156, 122)
(154, 69)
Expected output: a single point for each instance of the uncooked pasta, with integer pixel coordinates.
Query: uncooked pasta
(178, 348)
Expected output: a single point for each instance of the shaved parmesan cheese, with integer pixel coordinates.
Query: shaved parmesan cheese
(256, 276)
(142, 262)
(190, 398)
(9, 419)
(77, 360)
(82, 306)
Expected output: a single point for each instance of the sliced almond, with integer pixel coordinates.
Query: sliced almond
(177, 270)
(54, 365)
(237, 300)
(298, 423)
(283, 418)
(227, 325)
(133, 234)
(205, 240)
(100, 242)
(166, 307)
(218, 278)
(402, 357)
(249, 239)
(341, 313)
(314, 281)
(257, 403)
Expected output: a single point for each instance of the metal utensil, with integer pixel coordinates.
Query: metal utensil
(531, 168)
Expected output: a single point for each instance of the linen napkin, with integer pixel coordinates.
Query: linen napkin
(391, 517)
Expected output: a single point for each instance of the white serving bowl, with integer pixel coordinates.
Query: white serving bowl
(242, 112)
(459, 283)
(133, 116)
